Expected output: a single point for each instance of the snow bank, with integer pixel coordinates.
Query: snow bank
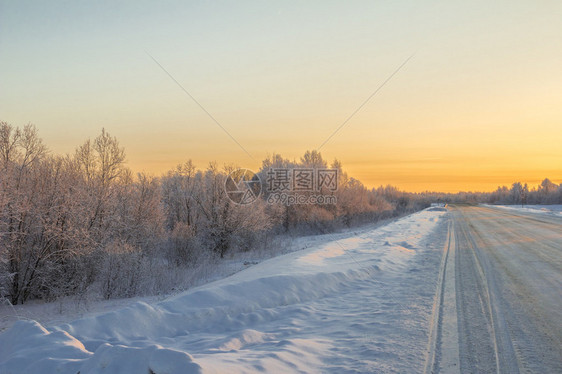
(539, 209)
(271, 317)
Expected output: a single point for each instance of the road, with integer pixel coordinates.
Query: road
(499, 300)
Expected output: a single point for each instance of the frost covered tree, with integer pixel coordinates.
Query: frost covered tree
(84, 223)
(547, 192)
(182, 215)
(518, 193)
(225, 224)
(26, 202)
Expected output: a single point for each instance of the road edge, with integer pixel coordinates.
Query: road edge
(442, 347)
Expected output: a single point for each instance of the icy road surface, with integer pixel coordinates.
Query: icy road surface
(362, 304)
(500, 309)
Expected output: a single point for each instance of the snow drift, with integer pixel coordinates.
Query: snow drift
(325, 308)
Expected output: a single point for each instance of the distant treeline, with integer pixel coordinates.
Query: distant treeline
(546, 192)
(85, 224)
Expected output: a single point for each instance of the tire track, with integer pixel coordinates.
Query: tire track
(505, 358)
(434, 342)
(477, 341)
(522, 256)
(442, 349)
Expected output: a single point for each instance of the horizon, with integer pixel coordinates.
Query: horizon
(532, 185)
(476, 107)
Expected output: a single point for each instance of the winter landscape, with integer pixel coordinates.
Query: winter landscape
(280, 187)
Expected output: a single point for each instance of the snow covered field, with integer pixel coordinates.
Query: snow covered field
(540, 209)
(362, 303)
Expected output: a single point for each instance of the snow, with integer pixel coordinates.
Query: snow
(537, 209)
(361, 303)
(506, 293)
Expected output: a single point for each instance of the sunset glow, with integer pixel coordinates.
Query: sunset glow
(477, 106)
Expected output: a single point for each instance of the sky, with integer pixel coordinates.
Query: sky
(478, 104)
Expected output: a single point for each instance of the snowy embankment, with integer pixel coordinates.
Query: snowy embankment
(359, 304)
(538, 209)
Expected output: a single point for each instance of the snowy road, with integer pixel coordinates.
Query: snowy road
(500, 309)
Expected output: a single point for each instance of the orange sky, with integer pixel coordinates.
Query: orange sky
(478, 105)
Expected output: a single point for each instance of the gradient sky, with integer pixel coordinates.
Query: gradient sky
(478, 105)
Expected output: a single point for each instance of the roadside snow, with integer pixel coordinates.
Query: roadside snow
(540, 209)
(71, 308)
(358, 304)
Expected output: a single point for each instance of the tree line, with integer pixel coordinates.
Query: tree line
(546, 192)
(84, 223)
